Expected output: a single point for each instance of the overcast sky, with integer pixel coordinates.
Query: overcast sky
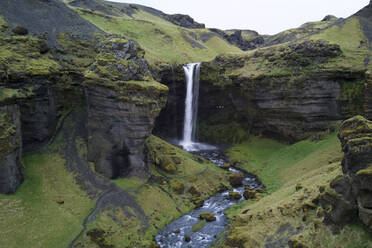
(264, 16)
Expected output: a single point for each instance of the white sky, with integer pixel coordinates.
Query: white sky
(264, 16)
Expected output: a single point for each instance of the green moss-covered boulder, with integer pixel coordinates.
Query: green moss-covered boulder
(236, 179)
(235, 195)
(209, 217)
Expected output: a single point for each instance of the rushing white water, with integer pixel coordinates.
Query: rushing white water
(191, 109)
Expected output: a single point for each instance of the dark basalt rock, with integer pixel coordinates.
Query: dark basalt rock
(11, 168)
(237, 39)
(350, 195)
(121, 112)
(184, 21)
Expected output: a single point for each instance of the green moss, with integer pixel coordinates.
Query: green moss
(365, 172)
(352, 95)
(7, 132)
(22, 55)
(3, 25)
(198, 226)
(76, 53)
(231, 133)
(10, 95)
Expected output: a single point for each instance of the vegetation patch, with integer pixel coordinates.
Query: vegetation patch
(48, 208)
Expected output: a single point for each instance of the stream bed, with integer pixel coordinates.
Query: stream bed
(173, 235)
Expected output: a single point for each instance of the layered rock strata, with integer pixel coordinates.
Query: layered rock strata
(350, 194)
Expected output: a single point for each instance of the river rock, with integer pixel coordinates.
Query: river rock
(235, 195)
(187, 238)
(207, 216)
(236, 179)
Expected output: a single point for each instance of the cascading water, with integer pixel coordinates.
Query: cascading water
(188, 142)
(191, 104)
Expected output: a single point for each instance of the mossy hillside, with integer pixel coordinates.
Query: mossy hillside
(277, 164)
(157, 196)
(76, 53)
(162, 40)
(304, 30)
(25, 55)
(49, 207)
(352, 41)
(290, 215)
(294, 176)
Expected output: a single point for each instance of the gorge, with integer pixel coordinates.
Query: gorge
(97, 99)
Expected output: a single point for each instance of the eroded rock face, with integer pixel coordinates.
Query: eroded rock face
(11, 168)
(291, 105)
(121, 113)
(350, 195)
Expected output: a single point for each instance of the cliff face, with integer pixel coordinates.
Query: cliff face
(43, 78)
(121, 113)
(350, 194)
(11, 168)
(288, 92)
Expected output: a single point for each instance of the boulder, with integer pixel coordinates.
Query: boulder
(236, 179)
(235, 195)
(207, 216)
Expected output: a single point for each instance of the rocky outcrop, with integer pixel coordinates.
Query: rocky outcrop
(244, 39)
(350, 195)
(184, 21)
(121, 112)
(11, 168)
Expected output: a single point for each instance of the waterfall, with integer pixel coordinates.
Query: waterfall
(191, 104)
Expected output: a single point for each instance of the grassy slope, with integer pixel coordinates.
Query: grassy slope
(271, 161)
(32, 217)
(311, 164)
(162, 40)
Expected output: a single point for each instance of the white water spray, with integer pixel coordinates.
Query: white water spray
(191, 109)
